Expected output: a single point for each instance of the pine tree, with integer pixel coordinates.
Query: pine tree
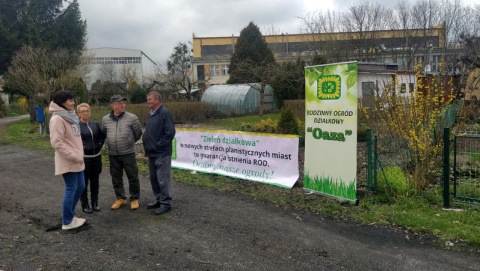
(250, 48)
(40, 23)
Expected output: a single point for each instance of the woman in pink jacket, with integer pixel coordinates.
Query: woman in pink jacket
(65, 139)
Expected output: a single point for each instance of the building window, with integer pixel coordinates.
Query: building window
(435, 63)
(419, 60)
(411, 87)
(201, 72)
(214, 70)
(368, 91)
(225, 70)
(115, 60)
(403, 87)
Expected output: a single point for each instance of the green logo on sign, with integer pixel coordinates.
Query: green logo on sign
(329, 87)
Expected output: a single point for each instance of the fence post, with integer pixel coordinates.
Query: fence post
(446, 168)
(375, 142)
(369, 160)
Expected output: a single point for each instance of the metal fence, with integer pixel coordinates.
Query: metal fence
(385, 160)
(466, 168)
(386, 169)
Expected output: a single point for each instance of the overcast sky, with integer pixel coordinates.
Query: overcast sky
(156, 26)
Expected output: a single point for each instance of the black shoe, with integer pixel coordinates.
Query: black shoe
(153, 205)
(163, 209)
(86, 208)
(95, 206)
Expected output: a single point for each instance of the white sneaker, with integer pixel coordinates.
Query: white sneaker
(80, 220)
(76, 223)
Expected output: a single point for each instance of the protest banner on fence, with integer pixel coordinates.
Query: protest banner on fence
(266, 158)
(331, 129)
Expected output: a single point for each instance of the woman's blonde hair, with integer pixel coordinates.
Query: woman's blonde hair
(83, 105)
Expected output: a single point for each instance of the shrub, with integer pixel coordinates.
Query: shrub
(182, 112)
(298, 108)
(189, 112)
(17, 108)
(263, 126)
(362, 133)
(414, 123)
(3, 108)
(467, 112)
(392, 180)
(138, 95)
(287, 123)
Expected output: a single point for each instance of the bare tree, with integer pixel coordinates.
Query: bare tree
(363, 22)
(107, 72)
(179, 68)
(321, 28)
(159, 82)
(402, 15)
(427, 15)
(128, 74)
(85, 67)
(37, 72)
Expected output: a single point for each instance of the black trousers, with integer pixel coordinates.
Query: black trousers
(93, 168)
(119, 163)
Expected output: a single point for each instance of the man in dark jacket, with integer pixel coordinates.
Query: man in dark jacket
(122, 130)
(157, 142)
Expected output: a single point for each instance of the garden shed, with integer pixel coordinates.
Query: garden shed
(240, 98)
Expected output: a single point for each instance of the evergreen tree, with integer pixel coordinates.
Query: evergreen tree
(69, 30)
(39, 23)
(250, 48)
(288, 123)
(138, 95)
(289, 80)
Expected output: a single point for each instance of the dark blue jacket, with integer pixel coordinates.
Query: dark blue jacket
(159, 133)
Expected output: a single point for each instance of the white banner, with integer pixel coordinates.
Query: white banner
(266, 158)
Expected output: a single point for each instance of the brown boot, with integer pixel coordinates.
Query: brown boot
(118, 203)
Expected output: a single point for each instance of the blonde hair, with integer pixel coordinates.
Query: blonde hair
(83, 105)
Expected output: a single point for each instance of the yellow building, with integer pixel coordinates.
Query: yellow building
(211, 55)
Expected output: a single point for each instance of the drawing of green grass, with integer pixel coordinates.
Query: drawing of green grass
(327, 185)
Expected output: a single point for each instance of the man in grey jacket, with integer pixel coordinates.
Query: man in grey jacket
(122, 130)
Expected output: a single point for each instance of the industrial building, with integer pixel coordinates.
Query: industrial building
(114, 61)
(406, 48)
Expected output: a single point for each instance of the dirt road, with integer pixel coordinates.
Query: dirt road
(207, 230)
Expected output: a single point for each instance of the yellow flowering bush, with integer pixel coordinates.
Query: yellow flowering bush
(412, 125)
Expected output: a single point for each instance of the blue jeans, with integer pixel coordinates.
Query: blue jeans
(74, 186)
(160, 171)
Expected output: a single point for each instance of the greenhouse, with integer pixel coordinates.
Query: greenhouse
(239, 99)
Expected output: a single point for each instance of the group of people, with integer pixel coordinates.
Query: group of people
(78, 143)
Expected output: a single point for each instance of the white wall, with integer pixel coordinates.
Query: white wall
(381, 79)
(145, 69)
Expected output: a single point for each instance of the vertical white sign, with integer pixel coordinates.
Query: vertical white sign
(331, 129)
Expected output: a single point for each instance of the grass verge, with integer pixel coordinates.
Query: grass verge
(417, 215)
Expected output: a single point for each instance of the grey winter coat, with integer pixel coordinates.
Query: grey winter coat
(122, 132)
